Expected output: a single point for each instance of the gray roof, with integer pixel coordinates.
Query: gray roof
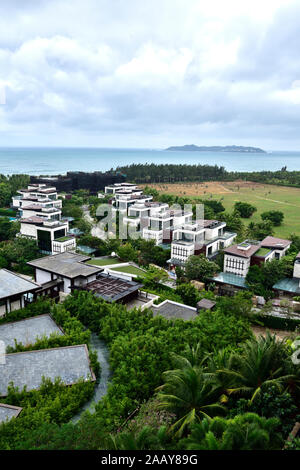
(7, 412)
(27, 368)
(206, 304)
(173, 310)
(29, 330)
(68, 264)
(13, 284)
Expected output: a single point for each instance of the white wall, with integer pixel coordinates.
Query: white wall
(29, 230)
(42, 276)
(236, 265)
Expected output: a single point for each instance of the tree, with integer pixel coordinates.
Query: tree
(188, 293)
(233, 221)
(154, 276)
(191, 394)
(260, 230)
(127, 252)
(8, 229)
(18, 252)
(244, 432)
(245, 209)
(84, 226)
(198, 267)
(276, 217)
(258, 366)
(262, 278)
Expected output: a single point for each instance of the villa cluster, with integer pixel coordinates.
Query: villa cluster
(40, 217)
(157, 221)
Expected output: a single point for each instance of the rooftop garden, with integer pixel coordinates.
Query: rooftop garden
(262, 252)
(130, 270)
(104, 261)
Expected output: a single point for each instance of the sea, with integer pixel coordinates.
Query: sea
(54, 160)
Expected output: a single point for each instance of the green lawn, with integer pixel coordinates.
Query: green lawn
(262, 252)
(266, 198)
(104, 261)
(130, 270)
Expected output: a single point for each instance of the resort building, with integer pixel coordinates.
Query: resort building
(202, 237)
(40, 218)
(238, 258)
(161, 225)
(114, 188)
(124, 199)
(65, 269)
(15, 291)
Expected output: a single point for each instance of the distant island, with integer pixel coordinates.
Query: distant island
(227, 148)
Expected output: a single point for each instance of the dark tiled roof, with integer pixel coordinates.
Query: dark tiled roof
(7, 412)
(172, 311)
(67, 264)
(206, 304)
(13, 284)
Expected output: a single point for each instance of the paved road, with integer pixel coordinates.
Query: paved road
(96, 230)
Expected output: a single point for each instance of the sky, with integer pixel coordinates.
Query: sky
(150, 73)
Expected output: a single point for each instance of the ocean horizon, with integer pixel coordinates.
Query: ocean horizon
(60, 160)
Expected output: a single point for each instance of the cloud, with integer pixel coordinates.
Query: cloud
(150, 73)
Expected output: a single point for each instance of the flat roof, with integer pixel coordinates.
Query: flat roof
(13, 284)
(67, 264)
(7, 412)
(235, 250)
(273, 242)
(111, 288)
(70, 363)
(173, 310)
(232, 279)
(206, 304)
(288, 285)
(27, 331)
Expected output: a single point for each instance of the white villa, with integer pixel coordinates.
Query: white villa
(40, 212)
(196, 237)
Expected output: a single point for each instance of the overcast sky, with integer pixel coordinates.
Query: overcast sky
(150, 73)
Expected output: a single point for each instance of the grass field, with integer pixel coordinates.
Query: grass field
(103, 261)
(130, 270)
(263, 197)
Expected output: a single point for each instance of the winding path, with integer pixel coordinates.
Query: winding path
(100, 347)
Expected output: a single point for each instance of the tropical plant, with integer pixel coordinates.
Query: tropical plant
(191, 395)
(259, 365)
(244, 432)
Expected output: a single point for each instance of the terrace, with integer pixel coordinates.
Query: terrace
(113, 289)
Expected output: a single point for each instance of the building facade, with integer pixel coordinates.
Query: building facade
(40, 218)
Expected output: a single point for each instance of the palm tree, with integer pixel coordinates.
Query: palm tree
(259, 365)
(244, 432)
(191, 356)
(191, 395)
(145, 439)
